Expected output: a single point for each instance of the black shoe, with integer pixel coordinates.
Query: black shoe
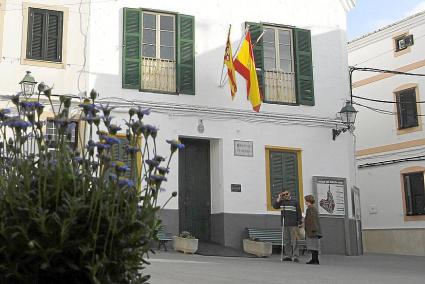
(287, 259)
(312, 262)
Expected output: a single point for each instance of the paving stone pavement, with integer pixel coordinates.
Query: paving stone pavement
(178, 268)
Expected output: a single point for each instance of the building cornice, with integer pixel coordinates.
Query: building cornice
(219, 113)
(387, 31)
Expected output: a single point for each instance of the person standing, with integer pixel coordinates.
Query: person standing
(291, 218)
(312, 229)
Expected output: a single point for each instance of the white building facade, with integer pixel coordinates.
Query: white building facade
(390, 137)
(168, 56)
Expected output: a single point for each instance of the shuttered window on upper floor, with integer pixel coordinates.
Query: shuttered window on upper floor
(45, 28)
(407, 112)
(414, 193)
(158, 51)
(283, 58)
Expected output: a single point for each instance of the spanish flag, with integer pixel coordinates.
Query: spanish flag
(245, 65)
(228, 61)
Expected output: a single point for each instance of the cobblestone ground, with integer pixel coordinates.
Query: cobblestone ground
(176, 268)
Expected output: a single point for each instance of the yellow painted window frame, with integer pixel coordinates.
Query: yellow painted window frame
(410, 170)
(138, 155)
(298, 151)
(418, 109)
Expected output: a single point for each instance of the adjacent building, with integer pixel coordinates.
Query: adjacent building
(390, 136)
(168, 56)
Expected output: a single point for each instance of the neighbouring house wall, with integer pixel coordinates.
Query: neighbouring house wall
(67, 77)
(386, 228)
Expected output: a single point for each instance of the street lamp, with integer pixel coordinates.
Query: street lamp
(27, 84)
(347, 114)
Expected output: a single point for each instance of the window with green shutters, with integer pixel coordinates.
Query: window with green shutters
(45, 35)
(283, 168)
(158, 51)
(119, 153)
(283, 58)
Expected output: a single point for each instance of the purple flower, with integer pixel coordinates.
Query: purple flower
(89, 118)
(132, 150)
(27, 105)
(113, 129)
(122, 182)
(156, 180)
(107, 120)
(158, 158)
(87, 106)
(142, 112)
(102, 146)
(132, 111)
(112, 140)
(162, 170)
(4, 112)
(77, 159)
(152, 164)
(120, 167)
(18, 124)
(106, 109)
(175, 144)
(150, 130)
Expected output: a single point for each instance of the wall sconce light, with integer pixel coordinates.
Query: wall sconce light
(347, 114)
(201, 127)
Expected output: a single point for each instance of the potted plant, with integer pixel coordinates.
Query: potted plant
(257, 247)
(185, 243)
(76, 215)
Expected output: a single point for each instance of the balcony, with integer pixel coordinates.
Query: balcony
(158, 74)
(280, 87)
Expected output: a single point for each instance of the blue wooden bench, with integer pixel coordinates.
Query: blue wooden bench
(163, 238)
(273, 236)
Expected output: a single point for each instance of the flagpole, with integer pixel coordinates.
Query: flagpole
(224, 81)
(258, 39)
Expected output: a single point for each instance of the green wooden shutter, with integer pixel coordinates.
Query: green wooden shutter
(303, 67)
(131, 48)
(283, 173)
(36, 26)
(186, 54)
(119, 153)
(256, 29)
(53, 39)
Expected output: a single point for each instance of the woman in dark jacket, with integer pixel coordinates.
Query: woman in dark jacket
(312, 229)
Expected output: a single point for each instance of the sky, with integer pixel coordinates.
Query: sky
(370, 15)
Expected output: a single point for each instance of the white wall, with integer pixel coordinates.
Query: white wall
(381, 186)
(325, 18)
(320, 155)
(376, 51)
(68, 80)
(381, 189)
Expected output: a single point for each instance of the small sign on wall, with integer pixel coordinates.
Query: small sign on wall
(331, 195)
(243, 148)
(235, 187)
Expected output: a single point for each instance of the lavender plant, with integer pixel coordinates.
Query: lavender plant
(77, 216)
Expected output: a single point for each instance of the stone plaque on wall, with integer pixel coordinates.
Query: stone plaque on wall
(243, 148)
